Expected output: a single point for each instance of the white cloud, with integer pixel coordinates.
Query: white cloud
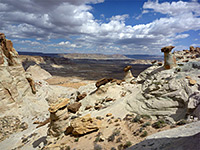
(68, 44)
(65, 19)
(174, 8)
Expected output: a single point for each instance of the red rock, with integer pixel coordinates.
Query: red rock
(127, 68)
(74, 107)
(81, 96)
(167, 49)
(102, 81)
(192, 49)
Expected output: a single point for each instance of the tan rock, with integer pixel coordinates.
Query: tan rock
(127, 68)
(74, 107)
(81, 96)
(169, 58)
(102, 81)
(32, 84)
(167, 49)
(192, 49)
(83, 125)
(56, 107)
(58, 122)
(188, 77)
(187, 51)
(160, 63)
(186, 60)
(109, 114)
(192, 82)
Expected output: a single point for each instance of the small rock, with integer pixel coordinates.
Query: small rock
(81, 96)
(88, 107)
(102, 81)
(188, 77)
(192, 82)
(74, 107)
(127, 68)
(109, 114)
(108, 99)
(160, 63)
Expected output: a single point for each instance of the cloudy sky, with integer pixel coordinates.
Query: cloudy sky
(100, 26)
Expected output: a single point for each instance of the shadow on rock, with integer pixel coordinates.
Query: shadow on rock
(180, 143)
(39, 141)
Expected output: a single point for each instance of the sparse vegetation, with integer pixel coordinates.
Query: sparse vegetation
(76, 140)
(97, 139)
(118, 139)
(120, 147)
(182, 122)
(147, 117)
(159, 124)
(136, 119)
(111, 138)
(146, 124)
(144, 134)
(127, 144)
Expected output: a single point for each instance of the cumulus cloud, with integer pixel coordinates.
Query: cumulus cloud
(66, 19)
(67, 44)
(174, 8)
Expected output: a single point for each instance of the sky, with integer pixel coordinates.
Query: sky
(100, 26)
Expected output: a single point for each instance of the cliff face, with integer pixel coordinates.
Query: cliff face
(13, 82)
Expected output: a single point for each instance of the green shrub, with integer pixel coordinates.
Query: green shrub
(136, 119)
(146, 124)
(76, 140)
(147, 117)
(127, 144)
(159, 124)
(182, 122)
(144, 134)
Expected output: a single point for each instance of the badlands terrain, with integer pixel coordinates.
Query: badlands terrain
(62, 103)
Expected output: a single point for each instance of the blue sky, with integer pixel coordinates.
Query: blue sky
(100, 26)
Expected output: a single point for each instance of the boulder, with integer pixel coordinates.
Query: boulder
(165, 92)
(58, 118)
(74, 107)
(83, 125)
(81, 96)
(102, 81)
(169, 58)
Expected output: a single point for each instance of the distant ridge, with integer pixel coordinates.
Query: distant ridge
(145, 57)
(95, 56)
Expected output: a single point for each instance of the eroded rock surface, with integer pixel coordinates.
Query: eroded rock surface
(83, 125)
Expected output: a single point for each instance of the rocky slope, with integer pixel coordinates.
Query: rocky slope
(111, 114)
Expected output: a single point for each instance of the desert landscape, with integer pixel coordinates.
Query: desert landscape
(78, 103)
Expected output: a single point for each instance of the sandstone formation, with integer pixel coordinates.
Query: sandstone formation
(83, 125)
(58, 116)
(123, 112)
(13, 83)
(38, 73)
(184, 138)
(8, 55)
(128, 75)
(169, 58)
